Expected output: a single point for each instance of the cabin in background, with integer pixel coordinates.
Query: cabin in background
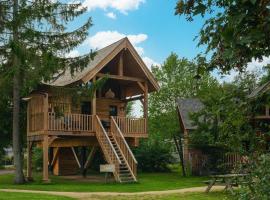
(260, 99)
(99, 122)
(191, 155)
(202, 160)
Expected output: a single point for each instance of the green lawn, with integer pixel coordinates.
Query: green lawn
(29, 196)
(147, 182)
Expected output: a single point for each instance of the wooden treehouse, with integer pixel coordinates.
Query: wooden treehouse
(96, 122)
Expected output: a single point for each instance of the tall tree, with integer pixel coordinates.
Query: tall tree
(177, 79)
(34, 39)
(235, 32)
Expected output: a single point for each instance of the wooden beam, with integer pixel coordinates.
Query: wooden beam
(133, 98)
(145, 107)
(124, 78)
(101, 64)
(141, 86)
(51, 139)
(55, 156)
(76, 157)
(90, 157)
(45, 158)
(121, 65)
(75, 142)
(94, 101)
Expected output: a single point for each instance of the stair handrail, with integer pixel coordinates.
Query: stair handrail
(108, 140)
(125, 142)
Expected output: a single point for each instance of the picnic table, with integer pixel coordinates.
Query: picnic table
(228, 180)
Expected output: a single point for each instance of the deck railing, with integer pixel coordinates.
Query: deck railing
(124, 147)
(131, 125)
(81, 123)
(70, 122)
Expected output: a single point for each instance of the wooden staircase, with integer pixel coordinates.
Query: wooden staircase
(117, 152)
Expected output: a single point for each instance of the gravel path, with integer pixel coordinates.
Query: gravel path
(96, 195)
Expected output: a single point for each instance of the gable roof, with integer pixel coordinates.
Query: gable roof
(185, 108)
(103, 57)
(259, 90)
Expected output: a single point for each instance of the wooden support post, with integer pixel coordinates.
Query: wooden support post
(45, 158)
(94, 108)
(83, 160)
(145, 105)
(46, 107)
(121, 65)
(29, 161)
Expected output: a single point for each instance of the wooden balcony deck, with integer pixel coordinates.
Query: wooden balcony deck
(80, 125)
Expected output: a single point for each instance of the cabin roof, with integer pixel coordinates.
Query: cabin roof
(103, 57)
(259, 90)
(185, 108)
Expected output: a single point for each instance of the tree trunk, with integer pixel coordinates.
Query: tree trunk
(17, 139)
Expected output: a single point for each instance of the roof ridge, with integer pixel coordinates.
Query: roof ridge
(118, 41)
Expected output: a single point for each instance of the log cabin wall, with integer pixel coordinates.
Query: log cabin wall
(103, 107)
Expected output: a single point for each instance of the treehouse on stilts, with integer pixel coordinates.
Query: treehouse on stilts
(96, 122)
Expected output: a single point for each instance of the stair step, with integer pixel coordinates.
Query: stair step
(125, 176)
(124, 170)
(127, 180)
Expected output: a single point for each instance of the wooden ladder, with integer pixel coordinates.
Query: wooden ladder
(117, 152)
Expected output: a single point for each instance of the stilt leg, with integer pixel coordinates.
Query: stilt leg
(83, 160)
(45, 158)
(89, 158)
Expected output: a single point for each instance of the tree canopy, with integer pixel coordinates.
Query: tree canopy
(234, 33)
(177, 79)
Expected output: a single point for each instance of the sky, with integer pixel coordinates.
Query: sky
(152, 28)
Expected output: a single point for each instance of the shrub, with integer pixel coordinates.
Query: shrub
(37, 159)
(258, 183)
(153, 156)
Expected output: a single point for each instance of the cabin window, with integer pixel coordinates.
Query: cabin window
(113, 110)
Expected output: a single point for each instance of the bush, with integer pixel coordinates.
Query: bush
(153, 157)
(258, 183)
(37, 159)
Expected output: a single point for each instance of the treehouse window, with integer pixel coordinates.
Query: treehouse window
(86, 107)
(113, 110)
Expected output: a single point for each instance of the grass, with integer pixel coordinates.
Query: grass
(147, 182)
(27, 196)
(186, 196)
